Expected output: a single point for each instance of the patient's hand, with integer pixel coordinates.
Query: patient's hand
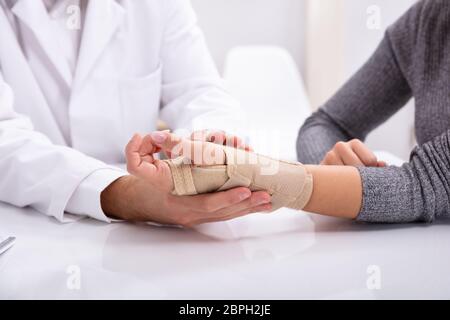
(147, 195)
(220, 137)
(353, 153)
(198, 151)
(202, 167)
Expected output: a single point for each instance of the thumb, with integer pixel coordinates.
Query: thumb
(136, 164)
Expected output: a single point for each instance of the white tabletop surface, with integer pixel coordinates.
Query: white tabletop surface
(287, 255)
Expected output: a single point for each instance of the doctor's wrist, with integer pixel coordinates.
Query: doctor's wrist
(115, 199)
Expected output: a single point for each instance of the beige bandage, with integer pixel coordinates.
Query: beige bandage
(289, 184)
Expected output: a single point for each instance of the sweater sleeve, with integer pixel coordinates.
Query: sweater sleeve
(376, 92)
(416, 192)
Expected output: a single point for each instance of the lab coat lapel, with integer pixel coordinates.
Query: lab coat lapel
(102, 21)
(35, 16)
(16, 72)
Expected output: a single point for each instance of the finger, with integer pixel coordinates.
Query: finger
(200, 153)
(248, 148)
(213, 202)
(346, 153)
(214, 136)
(148, 146)
(147, 149)
(366, 155)
(332, 159)
(132, 152)
(234, 141)
(217, 137)
(257, 209)
(172, 144)
(222, 138)
(382, 164)
(135, 165)
(257, 199)
(262, 208)
(201, 135)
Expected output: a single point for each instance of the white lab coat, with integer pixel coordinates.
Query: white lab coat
(139, 61)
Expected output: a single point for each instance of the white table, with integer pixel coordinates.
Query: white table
(288, 255)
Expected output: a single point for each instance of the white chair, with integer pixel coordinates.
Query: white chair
(266, 81)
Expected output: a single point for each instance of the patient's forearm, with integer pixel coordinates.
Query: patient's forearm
(328, 190)
(288, 183)
(337, 191)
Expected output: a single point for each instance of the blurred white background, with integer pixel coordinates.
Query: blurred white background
(328, 40)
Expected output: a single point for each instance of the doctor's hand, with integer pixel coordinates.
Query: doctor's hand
(353, 153)
(146, 195)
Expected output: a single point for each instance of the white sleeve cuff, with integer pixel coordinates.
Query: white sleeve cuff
(85, 201)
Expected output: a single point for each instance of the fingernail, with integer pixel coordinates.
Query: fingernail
(245, 195)
(263, 201)
(158, 137)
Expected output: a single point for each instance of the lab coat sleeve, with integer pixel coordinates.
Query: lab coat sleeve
(37, 173)
(85, 201)
(193, 95)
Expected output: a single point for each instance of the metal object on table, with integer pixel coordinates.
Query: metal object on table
(6, 244)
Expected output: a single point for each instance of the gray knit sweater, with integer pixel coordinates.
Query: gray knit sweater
(413, 60)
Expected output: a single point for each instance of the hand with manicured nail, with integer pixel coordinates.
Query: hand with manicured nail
(221, 138)
(352, 153)
(146, 195)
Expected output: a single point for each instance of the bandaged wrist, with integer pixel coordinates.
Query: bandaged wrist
(289, 184)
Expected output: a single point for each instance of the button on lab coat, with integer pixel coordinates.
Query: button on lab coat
(139, 61)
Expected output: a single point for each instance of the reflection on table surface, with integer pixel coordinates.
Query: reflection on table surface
(285, 255)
